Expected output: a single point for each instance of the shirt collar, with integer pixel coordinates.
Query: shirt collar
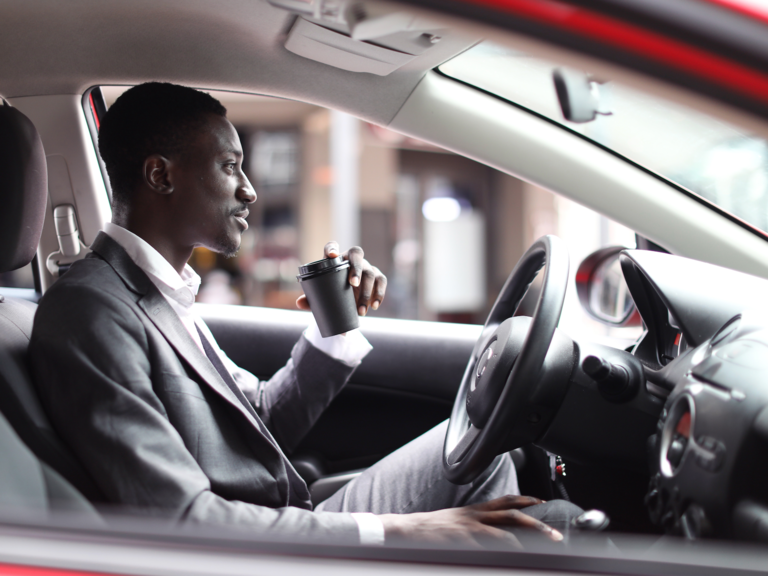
(182, 288)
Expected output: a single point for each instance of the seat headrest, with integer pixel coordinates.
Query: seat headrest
(23, 189)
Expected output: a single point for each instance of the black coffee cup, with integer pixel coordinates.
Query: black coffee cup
(330, 296)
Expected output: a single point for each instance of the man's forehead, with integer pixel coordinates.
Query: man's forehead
(218, 135)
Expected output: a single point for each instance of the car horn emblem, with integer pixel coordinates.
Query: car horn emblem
(482, 366)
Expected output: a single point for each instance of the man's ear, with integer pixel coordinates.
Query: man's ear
(157, 174)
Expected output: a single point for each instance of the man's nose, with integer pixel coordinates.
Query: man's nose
(245, 191)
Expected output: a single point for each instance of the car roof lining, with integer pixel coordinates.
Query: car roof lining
(236, 46)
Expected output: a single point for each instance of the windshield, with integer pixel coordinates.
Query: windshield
(717, 161)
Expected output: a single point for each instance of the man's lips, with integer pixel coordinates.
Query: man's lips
(240, 216)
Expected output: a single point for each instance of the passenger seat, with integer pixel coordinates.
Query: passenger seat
(23, 196)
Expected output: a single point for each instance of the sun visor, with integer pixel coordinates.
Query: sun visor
(341, 51)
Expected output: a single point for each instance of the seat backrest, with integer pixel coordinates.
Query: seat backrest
(23, 197)
(29, 486)
(20, 405)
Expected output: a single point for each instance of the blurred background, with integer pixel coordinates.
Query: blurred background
(446, 230)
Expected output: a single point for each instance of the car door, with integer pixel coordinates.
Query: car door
(404, 387)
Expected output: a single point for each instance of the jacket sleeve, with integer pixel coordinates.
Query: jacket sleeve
(91, 362)
(294, 398)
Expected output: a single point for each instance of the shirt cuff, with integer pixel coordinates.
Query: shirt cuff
(370, 527)
(350, 348)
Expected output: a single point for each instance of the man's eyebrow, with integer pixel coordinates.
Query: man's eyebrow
(235, 151)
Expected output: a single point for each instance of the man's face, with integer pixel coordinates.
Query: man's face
(211, 192)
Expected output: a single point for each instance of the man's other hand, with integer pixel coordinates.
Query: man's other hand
(368, 282)
(475, 526)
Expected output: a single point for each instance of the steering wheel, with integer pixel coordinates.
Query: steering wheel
(515, 377)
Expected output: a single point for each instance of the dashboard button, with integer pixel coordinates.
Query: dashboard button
(707, 443)
(676, 451)
(662, 419)
(710, 453)
(695, 523)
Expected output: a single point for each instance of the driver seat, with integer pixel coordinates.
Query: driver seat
(24, 194)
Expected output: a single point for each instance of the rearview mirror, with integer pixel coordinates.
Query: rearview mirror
(578, 95)
(603, 291)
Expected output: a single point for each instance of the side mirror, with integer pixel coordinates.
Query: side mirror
(603, 291)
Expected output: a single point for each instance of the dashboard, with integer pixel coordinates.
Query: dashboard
(705, 351)
(685, 407)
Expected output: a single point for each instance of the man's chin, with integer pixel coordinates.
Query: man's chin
(227, 247)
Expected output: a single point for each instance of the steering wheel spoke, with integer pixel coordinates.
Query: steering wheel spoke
(464, 444)
(485, 338)
(507, 372)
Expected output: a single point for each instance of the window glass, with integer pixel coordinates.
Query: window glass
(718, 161)
(445, 230)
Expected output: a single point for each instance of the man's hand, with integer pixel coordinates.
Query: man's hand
(368, 282)
(474, 525)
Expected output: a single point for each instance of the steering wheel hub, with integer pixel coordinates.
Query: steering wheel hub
(493, 368)
(483, 364)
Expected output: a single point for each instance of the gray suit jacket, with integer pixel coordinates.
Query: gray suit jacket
(152, 420)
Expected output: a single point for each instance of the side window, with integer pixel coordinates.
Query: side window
(445, 230)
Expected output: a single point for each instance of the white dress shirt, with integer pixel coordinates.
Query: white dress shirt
(180, 291)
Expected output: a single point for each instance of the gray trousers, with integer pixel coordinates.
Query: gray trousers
(411, 480)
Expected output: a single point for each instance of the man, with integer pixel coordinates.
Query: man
(165, 423)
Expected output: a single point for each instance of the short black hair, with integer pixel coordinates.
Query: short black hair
(151, 118)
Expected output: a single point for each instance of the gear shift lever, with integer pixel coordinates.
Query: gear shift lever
(591, 521)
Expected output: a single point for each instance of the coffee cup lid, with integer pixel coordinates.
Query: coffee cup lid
(319, 265)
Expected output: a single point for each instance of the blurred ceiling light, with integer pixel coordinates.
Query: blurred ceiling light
(441, 209)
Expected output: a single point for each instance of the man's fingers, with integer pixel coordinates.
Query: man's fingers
(505, 511)
(497, 535)
(331, 250)
(302, 303)
(372, 288)
(448, 527)
(380, 288)
(369, 283)
(521, 519)
(366, 290)
(355, 256)
(508, 502)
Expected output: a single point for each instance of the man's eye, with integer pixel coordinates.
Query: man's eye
(230, 166)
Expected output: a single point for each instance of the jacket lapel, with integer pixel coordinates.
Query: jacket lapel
(168, 323)
(165, 319)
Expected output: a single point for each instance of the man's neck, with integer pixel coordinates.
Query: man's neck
(175, 255)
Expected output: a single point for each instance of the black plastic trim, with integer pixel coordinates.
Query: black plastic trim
(642, 243)
(36, 275)
(93, 119)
